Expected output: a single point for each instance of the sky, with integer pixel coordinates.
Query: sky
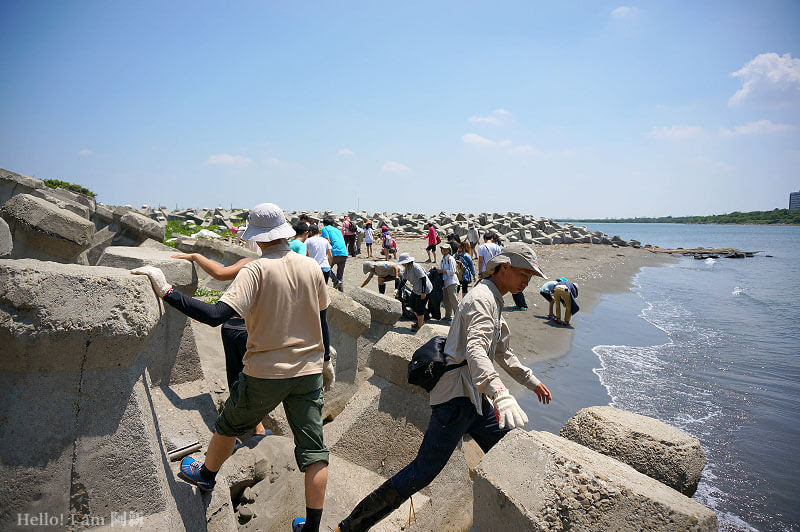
(570, 109)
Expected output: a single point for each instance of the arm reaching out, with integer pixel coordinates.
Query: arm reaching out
(213, 268)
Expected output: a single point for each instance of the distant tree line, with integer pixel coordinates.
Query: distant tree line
(775, 216)
(57, 183)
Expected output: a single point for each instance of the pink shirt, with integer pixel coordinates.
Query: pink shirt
(431, 236)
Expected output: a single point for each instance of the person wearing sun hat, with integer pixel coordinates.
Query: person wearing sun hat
(283, 299)
(471, 398)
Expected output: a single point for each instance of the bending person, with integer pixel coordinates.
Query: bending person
(283, 298)
(386, 271)
(460, 400)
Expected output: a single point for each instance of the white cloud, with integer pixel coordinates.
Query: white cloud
(755, 128)
(768, 78)
(345, 151)
(474, 138)
(495, 118)
(625, 12)
(85, 152)
(675, 132)
(274, 161)
(228, 160)
(394, 167)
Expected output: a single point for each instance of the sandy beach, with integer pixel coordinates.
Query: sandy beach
(598, 269)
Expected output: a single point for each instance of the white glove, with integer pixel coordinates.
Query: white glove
(328, 375)
(157, 279)
(507, 410)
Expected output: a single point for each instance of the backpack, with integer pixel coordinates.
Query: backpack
(427, 364)
(460, 270)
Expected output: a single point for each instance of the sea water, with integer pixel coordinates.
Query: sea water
(709, 346)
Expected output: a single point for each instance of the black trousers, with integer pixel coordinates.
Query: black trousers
(519, 299)
(449, 422)
(234, 342)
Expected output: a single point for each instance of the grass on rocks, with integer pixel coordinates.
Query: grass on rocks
(208, 295)
(175, 228)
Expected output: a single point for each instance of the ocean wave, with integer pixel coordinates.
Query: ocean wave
(667, 382)
(737, 291)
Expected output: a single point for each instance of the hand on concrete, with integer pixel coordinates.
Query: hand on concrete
(328, 375)
(508, 412)
(157, 279)
(184, 256)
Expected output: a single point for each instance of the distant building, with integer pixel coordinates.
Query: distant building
(794, 200)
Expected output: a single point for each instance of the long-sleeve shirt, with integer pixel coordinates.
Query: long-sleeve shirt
(420, 284)
(479, 334)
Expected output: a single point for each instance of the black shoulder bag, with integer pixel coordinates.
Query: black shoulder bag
(427, 364)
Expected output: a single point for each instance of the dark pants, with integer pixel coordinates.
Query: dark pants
(449, 422)
(519, 299)
(339, 262)
(234, 342)
(464, 287)
(434, 311)
(350, 241)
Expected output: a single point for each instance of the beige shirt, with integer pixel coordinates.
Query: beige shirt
(478, 335)
(280, 296)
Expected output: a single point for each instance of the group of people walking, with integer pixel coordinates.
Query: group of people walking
(278, 351)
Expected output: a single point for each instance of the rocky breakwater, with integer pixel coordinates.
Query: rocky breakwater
(80, 437)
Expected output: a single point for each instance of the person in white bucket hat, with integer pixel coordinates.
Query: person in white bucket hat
(283, 300)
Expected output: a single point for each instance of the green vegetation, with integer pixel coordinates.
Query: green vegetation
(175, 228)
(207, 295)
(775, 216)
(57, 183)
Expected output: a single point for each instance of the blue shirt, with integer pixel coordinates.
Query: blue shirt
(298, 247)
(338, 247)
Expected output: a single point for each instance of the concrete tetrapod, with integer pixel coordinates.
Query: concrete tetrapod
(42, 230)
(80, 438)
(650, 446)
(539, 481)
(171, 351)
(347, 320)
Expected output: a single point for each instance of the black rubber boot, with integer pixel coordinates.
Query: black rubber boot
(372, 509)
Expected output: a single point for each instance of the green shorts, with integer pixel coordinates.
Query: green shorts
(252, 398)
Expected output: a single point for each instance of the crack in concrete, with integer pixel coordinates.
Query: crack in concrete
(78, 495)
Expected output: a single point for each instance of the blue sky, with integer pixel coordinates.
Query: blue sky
(559, 109)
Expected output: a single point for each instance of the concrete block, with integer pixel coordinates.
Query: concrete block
(182, 274)
(44, 231)
(71, 362)
(102, 216)
(648, 445)
(139, 228)
(390, 357)
(6, 242)
(171, 350)
(100, 241)
(50, 194)
(64, 317)
(384, 311)
(564, 485)
(12, 183)
(347, 321)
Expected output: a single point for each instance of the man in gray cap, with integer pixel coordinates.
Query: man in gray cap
(283, 299)
(460, 401)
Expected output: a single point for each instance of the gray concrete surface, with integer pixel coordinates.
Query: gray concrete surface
(650, 446)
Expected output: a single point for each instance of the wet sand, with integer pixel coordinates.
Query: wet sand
(598, 269)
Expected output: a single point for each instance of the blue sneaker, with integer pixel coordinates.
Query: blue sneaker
(190, 472)
(298, 523)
